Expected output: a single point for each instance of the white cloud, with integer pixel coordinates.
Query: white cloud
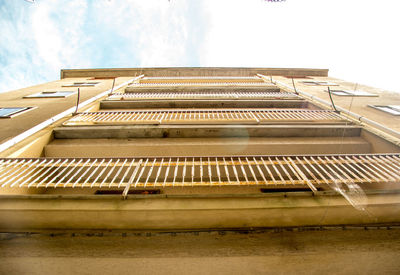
(58, 32)
(80, 34)
(355, 39)
(156, 30)
(42, 38)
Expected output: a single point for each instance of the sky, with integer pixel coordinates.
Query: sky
(356, 40)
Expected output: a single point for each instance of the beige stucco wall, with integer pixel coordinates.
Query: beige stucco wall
(357, 104)
(142, 212)
(289, 251)
(45, 108)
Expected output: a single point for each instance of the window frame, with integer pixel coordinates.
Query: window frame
(51, 94)
(81, 84)
(318, 83)
(391, 107)
(352, 93)
(16, 113)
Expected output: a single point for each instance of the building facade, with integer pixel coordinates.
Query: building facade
(198, 148)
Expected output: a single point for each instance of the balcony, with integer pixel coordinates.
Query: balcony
(325, 171)
(233, 116)
(193, 95)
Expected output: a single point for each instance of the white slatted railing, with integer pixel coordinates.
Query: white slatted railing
(288, 171)
(206, 84)
(214, 116)
(203, 95)
(188, 80)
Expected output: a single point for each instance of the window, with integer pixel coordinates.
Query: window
(81, 84)
(319, 83)
(391, 109)
(295, 77)
(350, 93)
(8, 112)
(49, 94)
(102, 77)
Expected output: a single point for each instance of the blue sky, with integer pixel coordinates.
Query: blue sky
(357, 40)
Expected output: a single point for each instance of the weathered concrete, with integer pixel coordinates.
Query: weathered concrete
(202, 89)
(291, 251)
(180, 131)
(136, 104)
(205, 147)
(379, 144)
(177, 212)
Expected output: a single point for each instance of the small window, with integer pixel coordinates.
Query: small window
(81, 84)
(391, 109)
(350, 93)
(298, 77)
(8, 112)
(50, 94)
(102, 77)
(319, 83)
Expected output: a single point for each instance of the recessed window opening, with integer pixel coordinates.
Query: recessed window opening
(296, 77)
(319, 83)
(391, 109)
(8, 112)
(102, 77)
(350, 93)
(81, 84)
(49, 94)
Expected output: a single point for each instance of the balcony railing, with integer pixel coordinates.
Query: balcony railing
(288, 171)
(207, 84)
(203, 95)
(234, 116)
(199, 79)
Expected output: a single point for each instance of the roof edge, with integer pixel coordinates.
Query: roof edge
(191, 71)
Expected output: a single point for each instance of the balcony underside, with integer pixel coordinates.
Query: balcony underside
(204, 98)
(205, 131)
(37, 213)
(204, 89)
(205, 147)
(203, 103)
(164, 87)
